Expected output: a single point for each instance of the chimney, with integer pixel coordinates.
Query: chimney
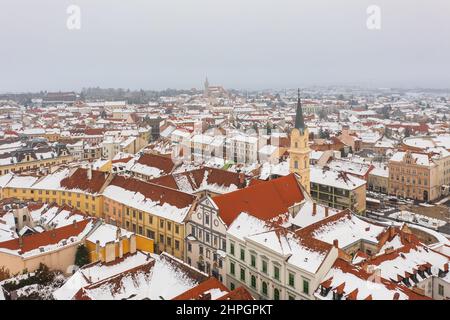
(241, 178)
(314, 209)
(89, 172)
(74, 223)
(336, 243)
(118, 233)
(326, 211)
(391, 232)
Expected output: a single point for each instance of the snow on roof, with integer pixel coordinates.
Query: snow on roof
(106, 233)
(52, 181)
(353, 283)
(394, 244)
(22, 182)
(315, 155)
(306, 216)
(158, 278)
(279, 169)
(97, 271)
(268, 149)
(52, 240)
(380, 170)
(348, 229)
(355, 168)
(408, 259)
(334, 178)
(428, 142)
(420, 159)
(138, 201)
(146, 170)
(246, 225)
(4, 179)
(7, 227)
(297, 253)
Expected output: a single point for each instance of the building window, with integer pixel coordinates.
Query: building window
(189, 247)
(291, 297)
(177, 245)
(177, 229)
(150, 234)
(207, 219)
(232, 270)
(140, 215)
(232, 286)
(207, 237)
(169, 241)
(276, 273)
(242, 274)
(291, 279)
(441, 290)
(264, 288)
(161, 238)
(253, 260)
(140, 230)
(232, 249)
(161, 224)
(253, 282)
(305, 287)
(242, 254)
(276, 294)
(264, 266)
(169, 225)
(295, 164)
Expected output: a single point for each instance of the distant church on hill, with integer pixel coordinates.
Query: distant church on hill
(299, 151)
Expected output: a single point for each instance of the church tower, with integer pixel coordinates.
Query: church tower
(206, 91)
(299, 151)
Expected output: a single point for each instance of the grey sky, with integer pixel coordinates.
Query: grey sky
(156, 44)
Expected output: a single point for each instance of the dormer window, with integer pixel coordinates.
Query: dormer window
(337, 296)
(442, 273)
(406, 282)
(324, 291)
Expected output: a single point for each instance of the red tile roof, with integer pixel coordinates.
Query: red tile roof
(79, 180)
(36, 240)
(196, 177)
(240, 293)
(264, 200)
(154, 192)
(157, 161)
(198, 292)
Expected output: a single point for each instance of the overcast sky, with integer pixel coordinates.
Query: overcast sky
(248, 44)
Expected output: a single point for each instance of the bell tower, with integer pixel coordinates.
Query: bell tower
(299, 152)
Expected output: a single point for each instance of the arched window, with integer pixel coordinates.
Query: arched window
(264, 288)
(276, 294)
(24, 218)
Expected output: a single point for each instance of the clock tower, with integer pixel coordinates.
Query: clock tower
(299, 152)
